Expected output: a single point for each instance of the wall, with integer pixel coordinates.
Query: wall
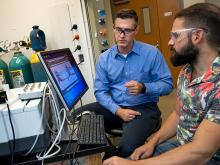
(187, 3)
(93, 6)
(216, 2)
(55, 18)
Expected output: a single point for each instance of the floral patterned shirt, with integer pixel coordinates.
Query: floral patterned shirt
(198, 99)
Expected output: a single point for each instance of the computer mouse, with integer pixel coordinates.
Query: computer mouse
(83, 113)
(86, 113)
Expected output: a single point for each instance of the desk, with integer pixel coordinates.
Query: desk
(66, 153)
(24, 114)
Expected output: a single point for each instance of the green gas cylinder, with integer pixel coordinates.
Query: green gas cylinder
(4, 74)
(20, 70)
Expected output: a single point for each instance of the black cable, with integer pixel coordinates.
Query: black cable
(74, 153)
(81, 105)
(73, 132)
(13, 132)
(69, 141)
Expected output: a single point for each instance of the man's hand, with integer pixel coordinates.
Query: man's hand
(127, 114)
(142, 152)
(118, 161)
(134, 87)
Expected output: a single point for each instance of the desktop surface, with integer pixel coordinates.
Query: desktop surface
(69, 86)
(69, 150)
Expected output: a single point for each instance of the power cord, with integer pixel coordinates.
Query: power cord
(13, 133)
(54, 108)
(59, 124)
(9, 103)
(54, 144)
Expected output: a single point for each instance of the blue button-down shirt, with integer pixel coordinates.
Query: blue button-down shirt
(144, 64)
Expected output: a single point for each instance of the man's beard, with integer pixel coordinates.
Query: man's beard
(188, 54)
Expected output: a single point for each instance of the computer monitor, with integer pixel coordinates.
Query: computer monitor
(64, 75)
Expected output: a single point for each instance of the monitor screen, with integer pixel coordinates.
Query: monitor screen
(64, 75)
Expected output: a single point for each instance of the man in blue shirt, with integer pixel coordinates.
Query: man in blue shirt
(130, 78)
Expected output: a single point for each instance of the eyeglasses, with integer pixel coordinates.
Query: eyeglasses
(177, 33)
(125, 30)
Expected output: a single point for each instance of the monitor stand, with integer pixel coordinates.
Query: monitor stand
(69, 132)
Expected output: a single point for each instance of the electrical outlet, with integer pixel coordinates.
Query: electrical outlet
(81, 58)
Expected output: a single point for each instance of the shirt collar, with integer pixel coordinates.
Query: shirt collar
(213, 72)
(206, 77)
(135, 49)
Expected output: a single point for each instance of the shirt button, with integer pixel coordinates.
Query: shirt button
(126, 73)
(126, 61)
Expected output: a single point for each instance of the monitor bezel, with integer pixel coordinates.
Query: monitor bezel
(54, 83)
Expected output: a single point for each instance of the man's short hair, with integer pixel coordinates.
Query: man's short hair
(205, 16)
(127, 14)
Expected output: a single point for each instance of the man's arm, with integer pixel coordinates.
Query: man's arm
(102, 89)
(205, 143)
(167, 131)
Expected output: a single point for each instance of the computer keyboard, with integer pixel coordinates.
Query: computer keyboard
(91, 130)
